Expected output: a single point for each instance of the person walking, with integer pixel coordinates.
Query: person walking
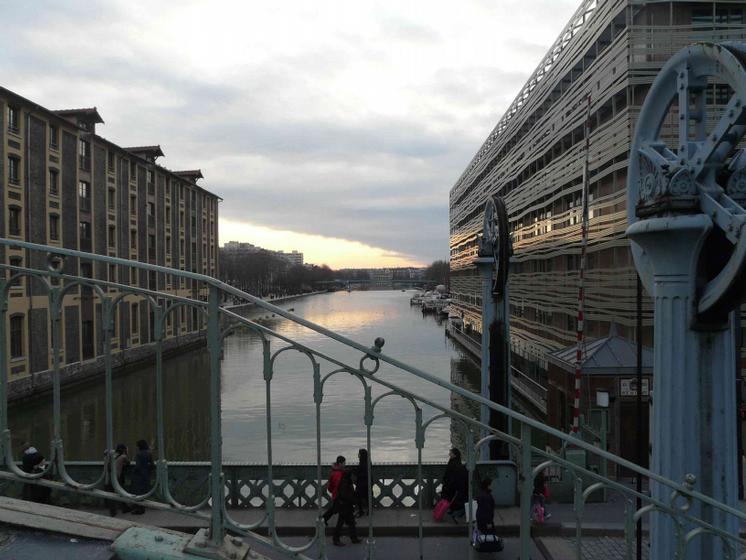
(345, 508)
(362, 484)
(141, 474)
(121, 460)
(455, 485)
(335, 477)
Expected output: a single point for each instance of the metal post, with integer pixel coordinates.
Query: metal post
(526, 490)
(55, 310)
(690, 406)
(108, 387)
(420, 443)
(318, 396)
(371, 542)
(214, 343)
(640, 443)
(3, 366)
(485, 266)
(270, 503)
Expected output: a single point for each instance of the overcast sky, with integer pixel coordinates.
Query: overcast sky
(333, 127)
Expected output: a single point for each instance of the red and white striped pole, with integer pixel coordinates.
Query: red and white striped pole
(580, 331)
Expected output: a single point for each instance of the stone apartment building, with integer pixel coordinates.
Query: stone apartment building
(64, 185)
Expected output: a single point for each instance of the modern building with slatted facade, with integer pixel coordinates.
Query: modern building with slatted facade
(64, 185)
(610, 52)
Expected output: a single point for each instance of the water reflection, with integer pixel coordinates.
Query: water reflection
(410, 336)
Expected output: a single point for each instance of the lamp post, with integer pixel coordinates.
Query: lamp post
(493, 263)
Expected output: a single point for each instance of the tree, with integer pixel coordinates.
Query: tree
(438, 272)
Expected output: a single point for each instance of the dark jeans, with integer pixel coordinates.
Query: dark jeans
(361, 498)
(330, 511)
(345, 517)
(115, 505)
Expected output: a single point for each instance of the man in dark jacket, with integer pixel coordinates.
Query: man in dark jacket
(141, 473)
(338, 469)
(455, 484)
(362, 484)
(345, 507)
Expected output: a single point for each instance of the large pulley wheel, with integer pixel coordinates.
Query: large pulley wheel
(496, 238)
(684, 160)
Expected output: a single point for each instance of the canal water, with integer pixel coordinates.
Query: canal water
(410, 336)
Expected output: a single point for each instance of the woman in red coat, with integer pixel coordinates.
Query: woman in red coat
(335, 478)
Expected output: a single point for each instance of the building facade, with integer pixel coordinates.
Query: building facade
(600, 68)
(64, 185)
(294, 257)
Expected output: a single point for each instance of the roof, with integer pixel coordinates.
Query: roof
(89, 113)
(612, 355)
(192, 174)
(147, 151)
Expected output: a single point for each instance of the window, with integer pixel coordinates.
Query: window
(84, 192)
(84, 151)
(16, 261)
(152, 280)
(151, 214)
(16, 336)
(86, 270)
(168, 244)
(14, 118)
(112, 199)
(54, 136)
(54, 181)
(54, 227)
(168, 215)
(133, 171)
(150, 176)
(133, 277)
(14, 170)
(85, 230)
(135, 318)
(133, 205)
(133, 239)
(151, 246)
(110, 156)
(14, 220)
(112, 273)
(112, 237)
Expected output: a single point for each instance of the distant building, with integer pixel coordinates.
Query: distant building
(294, 258)
(238, 247)
(381, 277)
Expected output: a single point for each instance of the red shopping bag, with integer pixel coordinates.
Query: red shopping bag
(440, 509)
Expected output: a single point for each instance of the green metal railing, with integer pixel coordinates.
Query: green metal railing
(221, 322)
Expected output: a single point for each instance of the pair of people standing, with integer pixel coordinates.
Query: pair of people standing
(346, 496)
(140, 475)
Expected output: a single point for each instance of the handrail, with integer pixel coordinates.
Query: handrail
(220, 519)
(378, 355)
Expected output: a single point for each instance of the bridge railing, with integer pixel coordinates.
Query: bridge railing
(54, 274)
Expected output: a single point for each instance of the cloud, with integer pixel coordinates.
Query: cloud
(343, 120)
